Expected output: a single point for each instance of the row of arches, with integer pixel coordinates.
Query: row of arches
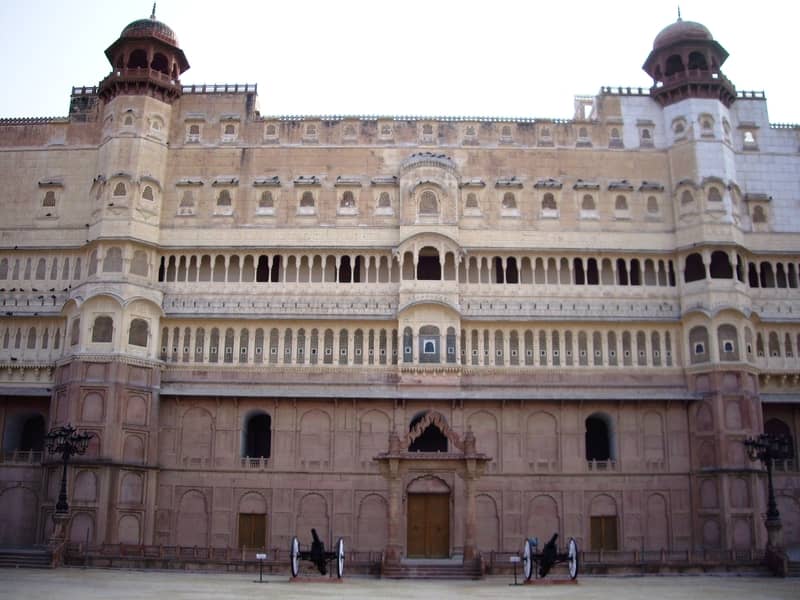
(426, 344)
(722, 265)
(425, 263)
(733, 344)
(543, 446)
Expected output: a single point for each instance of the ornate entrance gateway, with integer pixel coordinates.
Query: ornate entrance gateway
(428, 524)
(426, 481)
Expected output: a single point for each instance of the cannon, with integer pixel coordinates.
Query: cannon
(316, 555)
(538, 564)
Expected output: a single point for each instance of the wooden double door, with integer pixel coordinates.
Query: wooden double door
(428, 526)
(252, 530)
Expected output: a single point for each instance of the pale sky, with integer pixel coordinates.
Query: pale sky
(433, 57)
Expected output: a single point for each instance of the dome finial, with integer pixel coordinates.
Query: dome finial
(679, 11)
(153, 14)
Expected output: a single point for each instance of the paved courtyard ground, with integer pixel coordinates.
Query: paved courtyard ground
(96, 584)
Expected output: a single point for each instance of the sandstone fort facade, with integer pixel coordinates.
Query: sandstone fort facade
(429, 336)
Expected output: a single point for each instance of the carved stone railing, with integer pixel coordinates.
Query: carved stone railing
(29, 457)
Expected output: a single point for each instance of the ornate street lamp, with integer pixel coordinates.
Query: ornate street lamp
(67, 442)
(767, 448)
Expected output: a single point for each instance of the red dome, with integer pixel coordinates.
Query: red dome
(681, 31)
(143, 28)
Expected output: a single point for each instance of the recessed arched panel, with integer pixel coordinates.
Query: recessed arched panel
(657, 523)
(128, 530)
(373, 435)
(372, 524)
(488, 535)
(541, 439)
(196, 433)
(131, 488)
(85, 487)
(312, 513)
(315, 436)
(136, 410)
(93, 407)
(192, 527)
(81, 528)
(542, 520)
(253, 503)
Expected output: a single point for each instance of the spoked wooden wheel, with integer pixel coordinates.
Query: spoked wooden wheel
(294, 556)
(527, 559)
(572, 558)
(339, 558)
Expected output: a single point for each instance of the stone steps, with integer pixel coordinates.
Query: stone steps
(794, 569)
(28, 558)
(432, 571)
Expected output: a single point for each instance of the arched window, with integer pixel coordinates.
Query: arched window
(697, 61)
(49, 199)
(384, 201)
(112, 261)
(549, 202)
(348, 200)
(272, 130)
(588, 202)
(428, 266)
(103, 329)
(429, 344)
(307, 200)
(652, 205)
(430, 440)
(160, 63)
(428, 204)
(137, 59)
(147, 193)
(759, 215)
(674, 65)
(509, 201)
(714, 195)
(686, 197)
(695, 269)
(120, 190)
(472, 200)
(698, 345)
(621, 203)
(224, 198)
(257, 436)
(266, 200)
(599, 437)
(138, 333)
(721, 266)
(230, 129)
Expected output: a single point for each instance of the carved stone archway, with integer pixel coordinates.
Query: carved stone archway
(401, 467)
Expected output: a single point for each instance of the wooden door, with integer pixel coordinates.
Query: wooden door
(252, 530)
(428, 526)
(603, 533)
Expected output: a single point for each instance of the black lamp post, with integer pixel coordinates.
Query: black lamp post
(66, 441)
(767, 448)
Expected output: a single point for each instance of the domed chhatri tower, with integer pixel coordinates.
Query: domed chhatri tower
(146, 60)
(685, 63)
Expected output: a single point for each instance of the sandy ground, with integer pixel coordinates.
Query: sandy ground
(91, 584)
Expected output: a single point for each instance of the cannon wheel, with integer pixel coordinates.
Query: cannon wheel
(572, 558)
(339, 558)
(527, 559)
(294, 556)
